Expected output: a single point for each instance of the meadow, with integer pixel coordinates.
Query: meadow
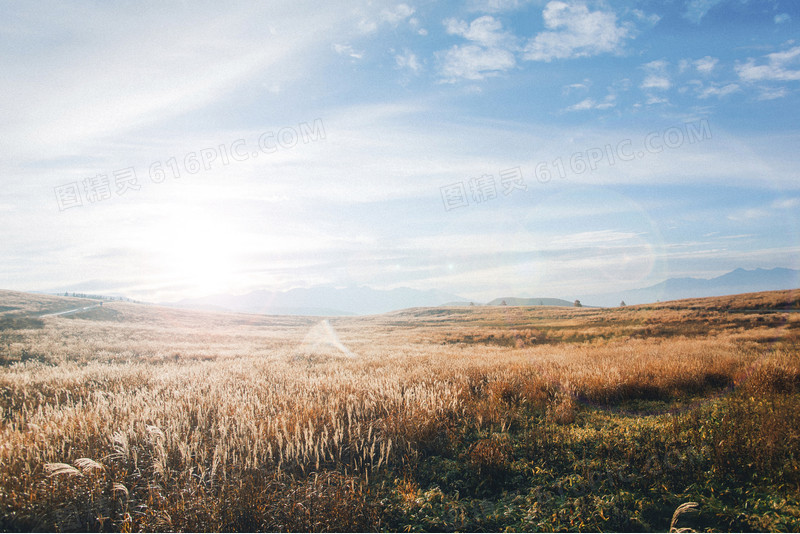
(130, 417)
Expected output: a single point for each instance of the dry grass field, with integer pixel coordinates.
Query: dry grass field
(130, 417)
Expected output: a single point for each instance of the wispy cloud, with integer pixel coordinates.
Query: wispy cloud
(776, 208)
(772, 93)
(347, 50)
(496, 6)
(408, 60)
(719, 91)
(697, 9)
(584, 86)
(782, 18)
(94, 85)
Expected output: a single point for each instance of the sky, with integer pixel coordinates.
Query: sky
(163, 150)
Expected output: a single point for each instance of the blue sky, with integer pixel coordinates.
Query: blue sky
(485, 148)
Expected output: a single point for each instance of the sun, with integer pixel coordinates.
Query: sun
(202, 265)
(196, 254)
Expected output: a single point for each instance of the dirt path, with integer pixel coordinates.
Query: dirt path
(76, 310)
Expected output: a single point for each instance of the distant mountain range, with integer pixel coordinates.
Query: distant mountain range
(732, 283)
(321, 300)
(515, 301)
(332, 301)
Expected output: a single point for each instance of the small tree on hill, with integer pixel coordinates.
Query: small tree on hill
(622, 304)
(578, 304)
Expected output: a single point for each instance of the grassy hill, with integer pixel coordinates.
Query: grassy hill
(16, 303)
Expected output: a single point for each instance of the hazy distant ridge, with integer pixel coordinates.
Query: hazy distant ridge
(515, 301)
(322, 300)
(330, 301)
(732, 283)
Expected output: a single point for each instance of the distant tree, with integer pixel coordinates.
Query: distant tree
(503, 303)
(472, 304)
(578, 304)
(622, 304)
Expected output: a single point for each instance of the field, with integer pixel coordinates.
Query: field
(129, 417)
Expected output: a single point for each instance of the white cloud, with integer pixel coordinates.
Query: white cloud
(658, 65)
(653, 81)
(371, 19)
(491, 54)
(583, 105)
(609, 102)
(653, 100)
(657, 76)
(485, 31)
(367, 26)
(575, 31)
(473, 62)
(697, 9)
(589, 103)
(396, 15)
(706, 64)
(777, 67)
(415, 25)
